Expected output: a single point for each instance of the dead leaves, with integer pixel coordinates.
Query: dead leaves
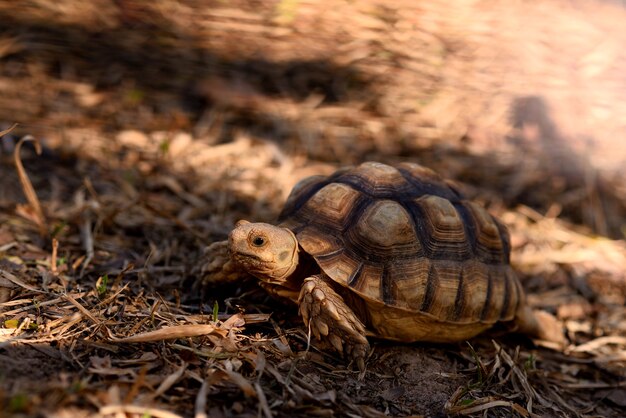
(129, 219)
(503, 381)
(169, 333)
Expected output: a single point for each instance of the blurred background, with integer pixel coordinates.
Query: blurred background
(163, 122)
(526, 99)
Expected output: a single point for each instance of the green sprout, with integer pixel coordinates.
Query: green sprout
(216, 310)
(479, 366)
(529, 364)
(18, 403)
(135, 96)
(102, 287)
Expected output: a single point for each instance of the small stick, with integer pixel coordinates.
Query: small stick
(27, 186)
(6, 131)
(53, 260)
(87, 237)
(200, 405)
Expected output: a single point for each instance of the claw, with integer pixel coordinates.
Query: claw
(363, 340)
(336, 342)
(327, 316)
(360, 363)
(345, 325)
(331, 310)
(316, 331)
(308, 286)
(321, 326)
(318, 295)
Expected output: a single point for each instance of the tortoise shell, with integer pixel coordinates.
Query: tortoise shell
(401, 237)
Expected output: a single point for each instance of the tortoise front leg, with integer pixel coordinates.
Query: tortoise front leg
(216, 266)
(328, 316)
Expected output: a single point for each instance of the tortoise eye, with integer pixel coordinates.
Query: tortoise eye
(258, 241)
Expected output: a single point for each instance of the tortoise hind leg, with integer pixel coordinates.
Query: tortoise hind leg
(328, 316)
(540, 324)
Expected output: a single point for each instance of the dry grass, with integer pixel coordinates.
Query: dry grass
(111, 306)
(143, 166)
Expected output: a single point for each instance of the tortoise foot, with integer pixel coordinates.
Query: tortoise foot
(329, 318)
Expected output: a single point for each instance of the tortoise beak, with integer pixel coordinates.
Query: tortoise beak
(246, 255)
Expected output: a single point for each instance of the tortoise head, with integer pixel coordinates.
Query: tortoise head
(268, 252)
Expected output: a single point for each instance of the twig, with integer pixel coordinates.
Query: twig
(87, 235)
(82, 309)
(27, 186)
(6, 131)
(170, 380)
(168, 333)
(18, 282)
(200, 404)
(599, 342)
(33, 306)
(53, 258)
(263, 405)
(138, 410)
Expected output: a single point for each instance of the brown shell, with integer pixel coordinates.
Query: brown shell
(403, 237)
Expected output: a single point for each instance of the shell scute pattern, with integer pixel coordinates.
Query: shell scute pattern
(385, 228)
(475, 285)
(331, 205)
(489, 245)
(445, 237)
(369, 282)
(377, 179)
(403, 237)
(405, 277)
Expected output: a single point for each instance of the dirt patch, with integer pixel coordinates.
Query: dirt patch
(24, 364)
(411, 380)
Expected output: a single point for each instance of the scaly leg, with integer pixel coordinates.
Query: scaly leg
(328, 316)
(216, 266)
(540, 324)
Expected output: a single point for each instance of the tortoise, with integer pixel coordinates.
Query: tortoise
(392, 252)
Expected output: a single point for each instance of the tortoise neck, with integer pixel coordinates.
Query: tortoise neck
(305, 266)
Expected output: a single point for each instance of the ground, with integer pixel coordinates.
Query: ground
(161, 124)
